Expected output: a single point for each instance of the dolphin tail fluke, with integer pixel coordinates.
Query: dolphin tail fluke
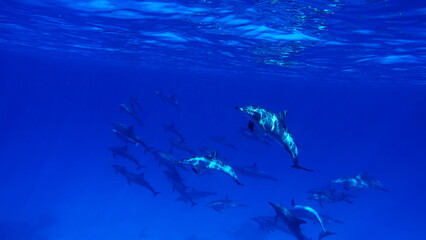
(297, 166)
(325, 234)
(239, 183)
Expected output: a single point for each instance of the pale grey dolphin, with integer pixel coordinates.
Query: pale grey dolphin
(226, 203)
(293, 223)
(301, 211)
(210, 162)
(274, 125)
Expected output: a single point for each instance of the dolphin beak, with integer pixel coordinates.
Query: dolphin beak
(239, 108)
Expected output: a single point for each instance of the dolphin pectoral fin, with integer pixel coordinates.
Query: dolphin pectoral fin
(325, 234)
(250, 126)
(299, 221)
(196, 170)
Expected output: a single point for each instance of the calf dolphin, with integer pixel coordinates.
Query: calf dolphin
(274, 125)
(210, 162)
(135, 178)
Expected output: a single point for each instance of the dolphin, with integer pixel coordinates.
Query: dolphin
(128, 135)
(124, 152)
(360, 181)
(254, 172)
(222, 140)
(166, 159)
(210, 162)
(130, 110)
(329, 195)
(179, 186)
(196, 194)
(173, 129)
(226, 203)
(170, 99)
(274, 125)
(293, 223)
(181, 144)
(301, 211)
(135, 178)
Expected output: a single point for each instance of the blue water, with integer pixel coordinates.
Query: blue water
(351, 75)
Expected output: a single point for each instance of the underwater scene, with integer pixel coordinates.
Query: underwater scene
(212, 119)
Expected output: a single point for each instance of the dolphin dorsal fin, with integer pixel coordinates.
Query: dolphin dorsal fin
(213, 154)
(282, 115)
(293, 203)
(250, 126)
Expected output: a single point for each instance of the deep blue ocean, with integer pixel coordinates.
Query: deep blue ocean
(84, 82)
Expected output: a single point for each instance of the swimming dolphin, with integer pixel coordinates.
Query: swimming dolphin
(222, 140)
(210, 162)
(128, 135)
(360, 181)
(222, 204)
(254, 172)
(166, 159)
(181, 144)
(173, 129)
(293, 223)
(135, 178)
(179, 186)
(124, 152)
(329, 195)
(170, 99)
(196, 194)
(130, 110)
(301, 211)
(274, 125)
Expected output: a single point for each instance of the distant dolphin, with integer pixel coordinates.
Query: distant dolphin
(226, 203)
(274, 125)
(254, 172)
(210, 162)
(128, 135)
(301, 211)
(130, 110)
(222, 140)
(135, 178)
(124, 152)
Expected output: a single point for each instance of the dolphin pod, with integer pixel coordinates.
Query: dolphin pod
(264, 126)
